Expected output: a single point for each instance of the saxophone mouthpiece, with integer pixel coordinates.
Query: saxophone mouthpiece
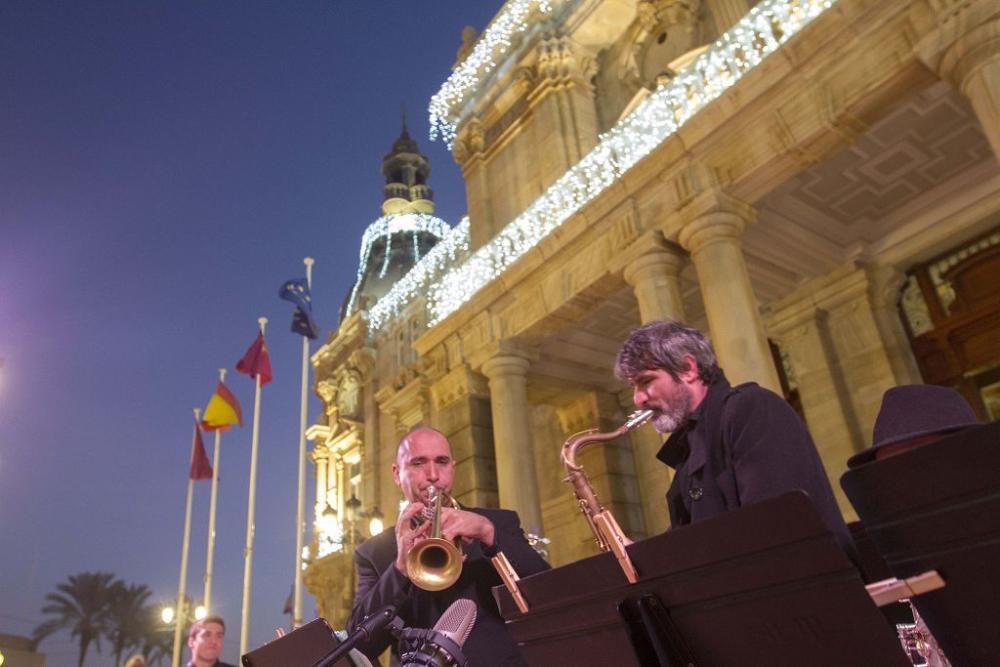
(637, 419)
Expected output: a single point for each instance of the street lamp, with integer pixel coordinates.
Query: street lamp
(168, 613)
(328, 520)
(375, 524)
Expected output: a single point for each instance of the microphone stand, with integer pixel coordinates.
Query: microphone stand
(376, 621)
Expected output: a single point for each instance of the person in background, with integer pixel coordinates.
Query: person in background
(205, 641)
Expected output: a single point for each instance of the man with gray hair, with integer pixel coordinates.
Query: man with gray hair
(730, 446)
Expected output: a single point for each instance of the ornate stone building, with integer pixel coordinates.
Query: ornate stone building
(813, 182)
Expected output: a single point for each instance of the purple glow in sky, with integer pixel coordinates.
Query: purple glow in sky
(164, 168)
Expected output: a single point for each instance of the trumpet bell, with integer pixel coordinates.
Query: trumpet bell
(434, 564)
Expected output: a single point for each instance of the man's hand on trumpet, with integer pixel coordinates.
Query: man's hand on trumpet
(407, 534)
(466, 525)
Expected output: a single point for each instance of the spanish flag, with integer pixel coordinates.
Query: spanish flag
(222, 411)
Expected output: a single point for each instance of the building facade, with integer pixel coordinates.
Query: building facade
(815, 183)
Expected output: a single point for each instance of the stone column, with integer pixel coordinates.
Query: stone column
(512, 439)
(564, 127)
(655, 279)
(886, 284)
(339, 488)
(321, 459)
(969, 58)
(712, 234)
(468, 152)
(857, 342)
(802, 330)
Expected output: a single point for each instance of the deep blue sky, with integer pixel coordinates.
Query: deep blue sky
(164, 167)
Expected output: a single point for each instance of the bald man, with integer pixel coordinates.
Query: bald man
(423, 458)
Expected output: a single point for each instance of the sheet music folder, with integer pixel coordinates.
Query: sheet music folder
(938, 507)
(766, 584)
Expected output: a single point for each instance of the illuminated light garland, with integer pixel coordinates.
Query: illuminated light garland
(498, 40)
(452, 248)
(765, 28)
(758, 34)
(385, 227)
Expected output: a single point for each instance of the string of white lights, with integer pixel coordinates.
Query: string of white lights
(499, 38)
(451, 249)
(385, 227)
(764, 29)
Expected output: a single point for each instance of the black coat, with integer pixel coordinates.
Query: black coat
(381, 584)
(741, 445)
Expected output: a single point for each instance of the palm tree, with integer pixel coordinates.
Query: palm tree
(126, 617)
(80, 605)
(157, 640)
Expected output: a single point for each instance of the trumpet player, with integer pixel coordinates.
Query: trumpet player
(730, 446)
(386, 576)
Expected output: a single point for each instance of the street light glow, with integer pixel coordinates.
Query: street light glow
(200, 612)
(167, 615)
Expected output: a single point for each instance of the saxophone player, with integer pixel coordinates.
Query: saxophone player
(424, 460)
(729, 446)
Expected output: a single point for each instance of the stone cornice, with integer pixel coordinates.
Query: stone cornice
(351, 334)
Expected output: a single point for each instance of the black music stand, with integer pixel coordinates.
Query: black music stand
(938, 507)
(302, 647)
(766, 584)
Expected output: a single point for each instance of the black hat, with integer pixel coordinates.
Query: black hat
(913, 410)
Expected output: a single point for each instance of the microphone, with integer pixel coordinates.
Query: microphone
(442, 645)
(369, 626)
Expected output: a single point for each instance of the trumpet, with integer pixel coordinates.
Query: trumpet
(607, 532)
(435, 563)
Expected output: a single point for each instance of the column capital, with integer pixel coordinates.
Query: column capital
(669, 261)
(969, 53)
(713, 216)
(506, 365)
(885, 283)
(957, 40)
(648, 243)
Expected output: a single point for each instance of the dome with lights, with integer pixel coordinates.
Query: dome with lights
(405, 233)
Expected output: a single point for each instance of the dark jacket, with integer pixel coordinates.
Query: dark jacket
(741, 445)
(381, 584)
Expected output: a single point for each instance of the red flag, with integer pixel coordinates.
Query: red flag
(200, 467)
(256, 361)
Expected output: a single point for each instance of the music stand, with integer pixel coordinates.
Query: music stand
(766, 584)
(938, 507)
(302, 647)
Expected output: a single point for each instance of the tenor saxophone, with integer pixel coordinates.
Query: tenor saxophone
(607, 532)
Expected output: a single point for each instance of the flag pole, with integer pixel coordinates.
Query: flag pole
(301, 506)
(181, 612)
(211, 513)
(248, 549)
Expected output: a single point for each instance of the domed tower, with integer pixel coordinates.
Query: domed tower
(406, 171)
(406, 231)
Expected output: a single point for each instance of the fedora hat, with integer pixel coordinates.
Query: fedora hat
(914, 410)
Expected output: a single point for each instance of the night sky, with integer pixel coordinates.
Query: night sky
(164, 168)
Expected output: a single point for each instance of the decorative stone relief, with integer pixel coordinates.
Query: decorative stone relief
(665, 13)
(327, 391)
(349, 395)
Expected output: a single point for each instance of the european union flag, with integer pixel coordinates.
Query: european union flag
(296, 290)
